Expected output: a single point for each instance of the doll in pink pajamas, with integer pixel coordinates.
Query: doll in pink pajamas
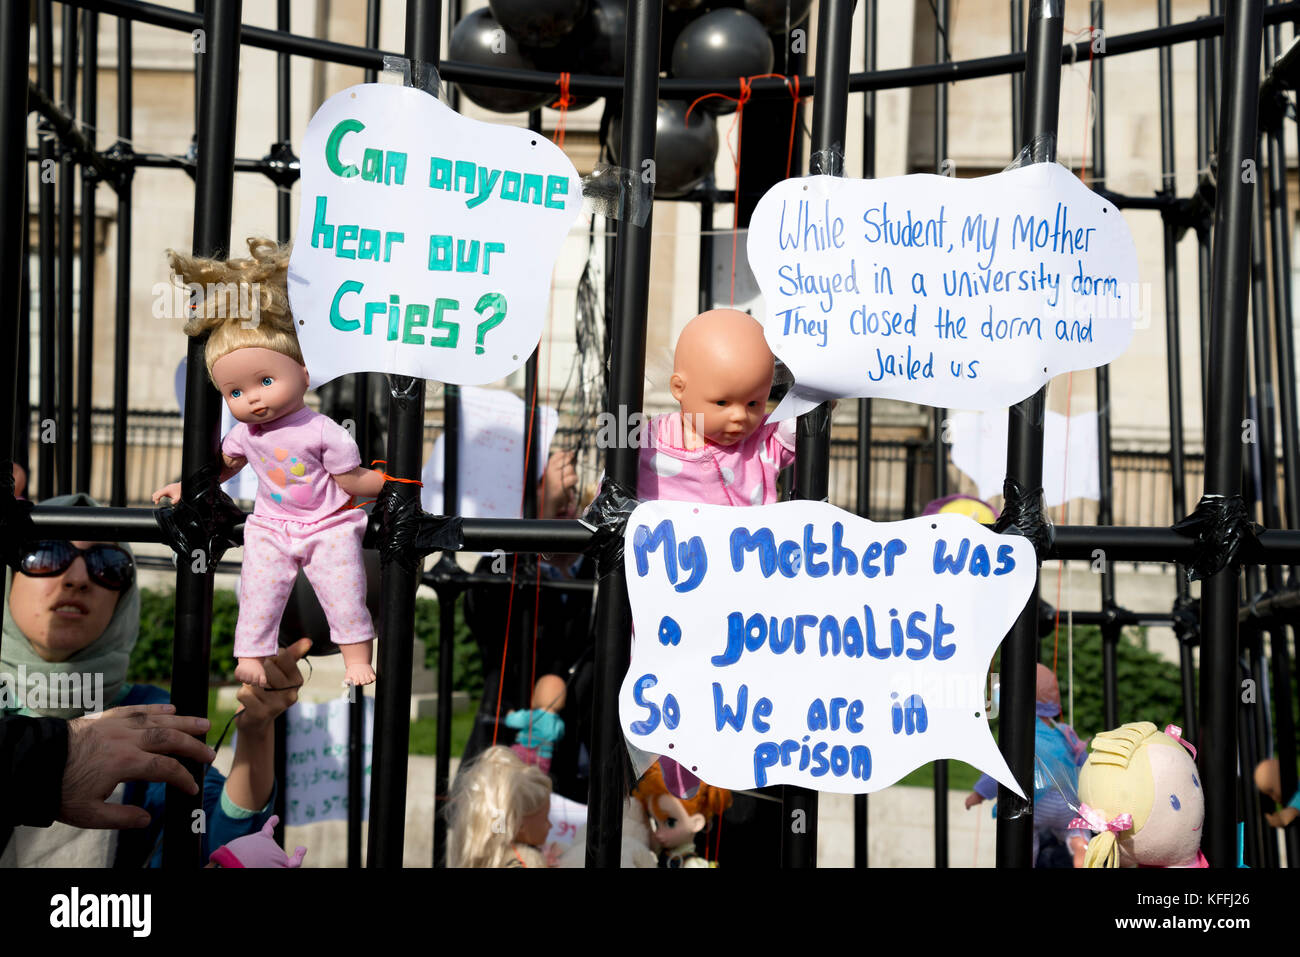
(308, 467)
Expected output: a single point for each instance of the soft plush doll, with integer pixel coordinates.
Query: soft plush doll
(1140, 790)
(256, 850)
(674, 820)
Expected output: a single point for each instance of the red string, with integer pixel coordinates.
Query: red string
(505, 644)
(562, 104)
(746, 90)
(387, 478)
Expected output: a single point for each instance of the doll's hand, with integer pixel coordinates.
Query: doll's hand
(262, 705)
(172, 491)
(251, 672)
(972, 799)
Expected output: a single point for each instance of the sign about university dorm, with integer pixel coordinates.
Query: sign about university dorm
(425, 239)
(799, 644)
(958, 293)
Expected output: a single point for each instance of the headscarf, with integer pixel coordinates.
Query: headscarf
(109, 654)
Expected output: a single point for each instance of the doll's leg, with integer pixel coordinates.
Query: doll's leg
(333, 565)
(265, 581)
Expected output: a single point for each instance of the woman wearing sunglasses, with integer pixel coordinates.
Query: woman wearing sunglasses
(74, 608)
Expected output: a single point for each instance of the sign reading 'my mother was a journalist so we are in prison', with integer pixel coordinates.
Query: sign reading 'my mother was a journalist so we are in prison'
(956, 293)
(799, 644)
(425, 239)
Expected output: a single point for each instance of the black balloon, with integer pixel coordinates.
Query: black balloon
(773, 13)
(596, 46)
(684, 153)
(538, 23)
(724, 43)
(479, 39)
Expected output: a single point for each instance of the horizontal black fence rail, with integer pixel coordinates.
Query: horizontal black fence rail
(1243, 622)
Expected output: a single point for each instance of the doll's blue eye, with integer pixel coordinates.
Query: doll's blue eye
(1173, 802)
(1195, 782)
(267, 380)
(721, 403)
(236, 393)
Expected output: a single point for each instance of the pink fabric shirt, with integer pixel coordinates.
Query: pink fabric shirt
(741, 474)
(295, 458)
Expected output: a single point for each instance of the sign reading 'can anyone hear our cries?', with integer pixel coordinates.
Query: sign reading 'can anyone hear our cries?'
(799, 644)
(425, 239)
(957, 293)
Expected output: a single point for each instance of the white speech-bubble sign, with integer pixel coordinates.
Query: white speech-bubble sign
(956, 293)
(425, 239)
(799, 644)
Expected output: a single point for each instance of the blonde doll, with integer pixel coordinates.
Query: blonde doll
(499, 813)
(1140, 790)
(308, 467)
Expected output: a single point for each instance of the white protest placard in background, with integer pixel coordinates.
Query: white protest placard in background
(799, 644)
(567, 818)
(317, 761)
(958, 293)
(491, 455)
(425, 239)
(979, 449)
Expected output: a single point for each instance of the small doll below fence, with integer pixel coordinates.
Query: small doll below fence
(498, 814)
(308, 466)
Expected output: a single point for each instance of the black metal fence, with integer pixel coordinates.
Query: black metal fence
(1239, 126)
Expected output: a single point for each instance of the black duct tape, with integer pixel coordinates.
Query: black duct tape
(202, 523)
(1187, 620)
(16, 526)
(1023, 514)
(607, 518)
(1220, 524)
(407, 532)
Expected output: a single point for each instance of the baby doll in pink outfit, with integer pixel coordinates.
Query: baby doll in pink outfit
(716, 450)
(308, 467)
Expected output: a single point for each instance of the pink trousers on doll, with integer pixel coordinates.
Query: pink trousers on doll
(329, 553)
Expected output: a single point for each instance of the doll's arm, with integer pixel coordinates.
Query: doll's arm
(231, 468)
(362, 482)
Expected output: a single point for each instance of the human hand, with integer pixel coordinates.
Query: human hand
(972, 799)
(172, 491)
(263, 705)
(126, 744)
(557, 492)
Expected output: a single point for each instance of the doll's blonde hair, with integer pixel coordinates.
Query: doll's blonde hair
(489, 800)
(1114, 778)
(240, 303)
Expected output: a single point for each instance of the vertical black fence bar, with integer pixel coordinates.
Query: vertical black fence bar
(67, 171)
(1270, 511)
(531, 448)
(14, 51)
(939, 422)
(812, 455)
(1205, 95)
(1280, 249)
(89, 182)
(1232, 212)
(405, 452)
(1174, 362)
(213, 191)
(48, 243)
(283, 215)
(20, 447)
(705, 281)
(447, 598)
(1025, 466)
(122, 279)
(1017, 85)
(860, 847)
(1105, 509)
(627, 330)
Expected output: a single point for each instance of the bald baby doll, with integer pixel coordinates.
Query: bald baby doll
(717, 450)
